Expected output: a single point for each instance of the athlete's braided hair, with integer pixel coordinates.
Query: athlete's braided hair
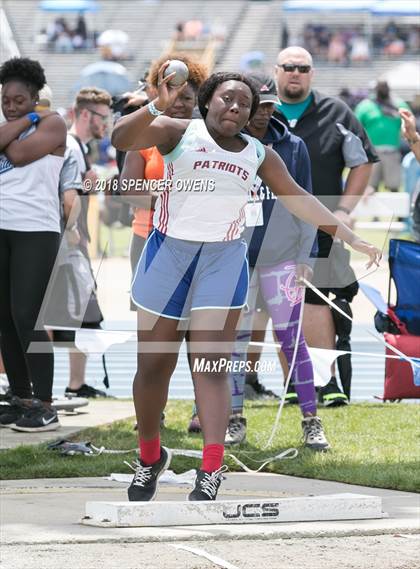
(198, 72)
(207, 89)
(26, 70)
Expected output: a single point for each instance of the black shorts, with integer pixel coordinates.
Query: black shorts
(335, 269)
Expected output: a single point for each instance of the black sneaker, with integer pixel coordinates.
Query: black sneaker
(254, 389)
(6, 396)
(143, 488)
(85, 390)
(291, 396)
(206, 485)
(331, 396)
(37, 418)
(12, 413)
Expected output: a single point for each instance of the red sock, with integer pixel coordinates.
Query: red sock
(212, 457)
(150, 450)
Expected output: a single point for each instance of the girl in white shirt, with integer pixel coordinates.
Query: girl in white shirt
(32, 147)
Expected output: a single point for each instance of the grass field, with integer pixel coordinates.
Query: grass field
(372, 445)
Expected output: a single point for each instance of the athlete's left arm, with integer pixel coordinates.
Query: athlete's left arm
(305, 206)
(49, 138)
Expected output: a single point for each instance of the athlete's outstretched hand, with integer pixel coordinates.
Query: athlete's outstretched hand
(366, 248)
(167, 94)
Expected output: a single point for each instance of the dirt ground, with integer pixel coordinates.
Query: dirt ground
(371, 552)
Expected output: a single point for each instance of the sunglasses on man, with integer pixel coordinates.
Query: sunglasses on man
(290, 67)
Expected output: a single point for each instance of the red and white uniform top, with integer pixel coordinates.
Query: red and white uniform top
(206, 187)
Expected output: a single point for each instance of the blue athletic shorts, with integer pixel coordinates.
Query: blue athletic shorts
(174, 276)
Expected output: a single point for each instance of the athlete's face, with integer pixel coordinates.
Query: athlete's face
(98, 121)
(184, 104)
(294, 75)
(16, 100)
(229, 108)
(260, 120)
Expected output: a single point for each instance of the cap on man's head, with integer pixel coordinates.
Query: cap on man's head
(266, 86)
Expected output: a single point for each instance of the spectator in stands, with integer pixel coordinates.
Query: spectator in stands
(395, 47)
(80, 34)
(62, 38)
(284, 38)
(335, 139)
(359, 49)
(179, 31)
(32, 147)
(337, 49)
(193, 30)
(379, 115)
(91, 115)
(325, 42)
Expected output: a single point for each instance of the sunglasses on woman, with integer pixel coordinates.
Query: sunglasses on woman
(290, 67)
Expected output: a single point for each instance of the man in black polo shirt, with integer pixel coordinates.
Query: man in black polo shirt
(335, 140)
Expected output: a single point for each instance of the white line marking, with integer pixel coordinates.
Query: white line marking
(201, 553)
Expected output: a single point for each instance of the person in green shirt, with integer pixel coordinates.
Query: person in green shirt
(379, 115)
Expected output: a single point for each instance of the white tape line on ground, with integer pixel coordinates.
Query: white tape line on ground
(201, 553)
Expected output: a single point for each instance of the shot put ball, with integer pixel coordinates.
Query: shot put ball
(181, 71)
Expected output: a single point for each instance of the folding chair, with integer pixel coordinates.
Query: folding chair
(404, 266)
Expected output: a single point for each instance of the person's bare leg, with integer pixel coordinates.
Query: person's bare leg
(77, 360)
(318, 328)
(212, 390)
(158, 346)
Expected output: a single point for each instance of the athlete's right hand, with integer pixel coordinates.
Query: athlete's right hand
(167, 94)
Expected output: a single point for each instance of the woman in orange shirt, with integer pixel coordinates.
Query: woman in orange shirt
(148, 164)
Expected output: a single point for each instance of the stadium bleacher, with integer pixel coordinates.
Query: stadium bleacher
(151, 24)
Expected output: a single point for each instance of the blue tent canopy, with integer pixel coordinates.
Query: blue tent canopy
(396, 8)
(328, 5)
(69, 5)
(375, 7)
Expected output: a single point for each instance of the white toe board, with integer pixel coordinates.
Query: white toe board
(174, 513)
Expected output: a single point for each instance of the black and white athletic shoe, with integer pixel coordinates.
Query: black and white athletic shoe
(143, 488)
(236, 430)
(313, 434)
(37, 418)
(85, 390)
(207, 485)
(12, 412)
